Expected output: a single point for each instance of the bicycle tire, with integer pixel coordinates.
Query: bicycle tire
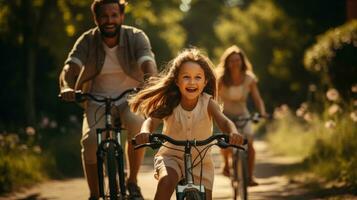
(241, 176)
(112, 172)
(100, 176)
(193, 195)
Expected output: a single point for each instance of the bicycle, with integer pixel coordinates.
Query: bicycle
(110, 154)
(186, 189)
(239, 169)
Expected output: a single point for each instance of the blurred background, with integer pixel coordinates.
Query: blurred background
(303, 52)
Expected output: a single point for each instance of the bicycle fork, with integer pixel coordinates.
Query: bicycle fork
(101, 153)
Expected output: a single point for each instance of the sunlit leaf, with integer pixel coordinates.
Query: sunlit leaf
(70, 29)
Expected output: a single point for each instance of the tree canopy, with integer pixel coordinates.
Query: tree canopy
(37, 35)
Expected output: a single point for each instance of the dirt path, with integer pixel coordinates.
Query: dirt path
(273, 185)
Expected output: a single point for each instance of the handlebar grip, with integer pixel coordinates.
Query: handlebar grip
(78, 96)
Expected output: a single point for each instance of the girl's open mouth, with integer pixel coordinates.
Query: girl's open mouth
(191, 89)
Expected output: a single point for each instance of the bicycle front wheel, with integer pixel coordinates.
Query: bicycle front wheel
(240, 179)
(193, 195)
(112, 173)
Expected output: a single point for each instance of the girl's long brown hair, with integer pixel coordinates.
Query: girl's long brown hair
(224, 74)
(160, 94)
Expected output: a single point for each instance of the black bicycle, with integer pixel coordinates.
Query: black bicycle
(239, 169)
(110, 155)
(186, 189)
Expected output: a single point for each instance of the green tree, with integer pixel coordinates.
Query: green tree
(274, 34)
(34, 36)
(333, 57)
(161, 21)
(267, 34)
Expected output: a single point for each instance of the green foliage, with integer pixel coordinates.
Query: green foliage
(161, 21)
(327, 141)
(199, 23)
(30, 156)
(335, 158)
(288, 135)
(320, 55)
(334, 57)
(20, 164)
(274, 45)
(64, 147)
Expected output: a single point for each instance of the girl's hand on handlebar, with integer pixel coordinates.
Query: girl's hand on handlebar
(236, 139)
(142, 138)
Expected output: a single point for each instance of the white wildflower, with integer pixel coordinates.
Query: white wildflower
(330, 124)
(308, 117)
(332, 94)
(333, 109)
(37, 149)
(353, 116)
(312, 88)
(30, 131)
(45, 122)
(300, 112)
(354, 88)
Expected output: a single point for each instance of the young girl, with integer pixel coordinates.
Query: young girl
(236, 81)
(183, 97)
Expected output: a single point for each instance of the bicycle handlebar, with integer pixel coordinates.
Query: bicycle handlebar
(80, 96)
(241, 122)
(156, 140)
(254, 118)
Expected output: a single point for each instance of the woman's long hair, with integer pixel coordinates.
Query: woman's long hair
(161, 95)
(223, 71)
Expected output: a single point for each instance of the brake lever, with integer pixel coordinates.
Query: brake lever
(222, 144)
(155, 142)
(79, 96)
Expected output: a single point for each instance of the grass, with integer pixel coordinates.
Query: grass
(21, 168)
(330, 152)
(31, 156)
(290, 137)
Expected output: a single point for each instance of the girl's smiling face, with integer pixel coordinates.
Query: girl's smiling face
(191, 81)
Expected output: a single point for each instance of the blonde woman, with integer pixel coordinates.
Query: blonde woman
(236, 81)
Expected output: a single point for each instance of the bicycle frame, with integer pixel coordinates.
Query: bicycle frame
(239, 165)
(110, 139)
(108, 146)
(156, 140)
(240, 160)
(188, 178)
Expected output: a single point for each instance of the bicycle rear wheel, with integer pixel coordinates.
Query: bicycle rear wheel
(112, 172)
(240, 176)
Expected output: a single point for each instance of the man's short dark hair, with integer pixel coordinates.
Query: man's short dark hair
(95, 7)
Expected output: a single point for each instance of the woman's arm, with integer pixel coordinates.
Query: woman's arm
(258, 101)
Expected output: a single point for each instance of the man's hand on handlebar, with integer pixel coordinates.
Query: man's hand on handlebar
(68, 94)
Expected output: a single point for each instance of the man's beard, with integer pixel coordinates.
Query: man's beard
(108, 34)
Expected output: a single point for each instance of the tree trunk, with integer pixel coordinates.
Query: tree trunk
(29, 51)
(31, 32)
